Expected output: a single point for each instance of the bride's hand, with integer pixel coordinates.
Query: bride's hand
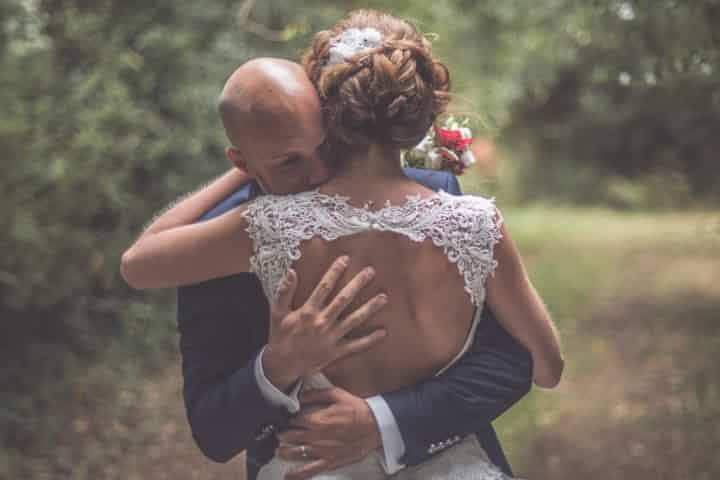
(306, 340)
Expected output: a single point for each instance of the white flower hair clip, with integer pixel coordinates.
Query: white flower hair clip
(351, 42)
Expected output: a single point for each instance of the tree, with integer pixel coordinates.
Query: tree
(640, 100)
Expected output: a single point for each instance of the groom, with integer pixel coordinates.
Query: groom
(241, 376)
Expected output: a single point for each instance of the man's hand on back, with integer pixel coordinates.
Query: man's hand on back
(340, 432)
(304, 341)
(334, 427)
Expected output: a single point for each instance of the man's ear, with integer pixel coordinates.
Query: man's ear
(236, 158)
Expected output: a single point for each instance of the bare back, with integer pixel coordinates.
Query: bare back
(430, 309)
(427, 318)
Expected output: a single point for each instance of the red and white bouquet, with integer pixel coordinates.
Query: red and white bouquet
(445, 147)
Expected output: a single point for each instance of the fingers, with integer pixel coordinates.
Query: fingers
(327, 284)
(348, 293)
(309, 421)
(294, 436)
(363, 343)
(318, 445)
(361, 315)
(324, 396)
(296, 452)
(286, 293)
(308, 470)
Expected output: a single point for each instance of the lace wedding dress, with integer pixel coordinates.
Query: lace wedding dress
(466, 228)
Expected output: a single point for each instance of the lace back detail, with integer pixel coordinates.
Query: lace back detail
(467, 228)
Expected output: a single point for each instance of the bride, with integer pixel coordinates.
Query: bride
(435, 256)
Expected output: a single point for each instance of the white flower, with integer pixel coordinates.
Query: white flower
(351, 42)
(434, 160)
(467, 158)
(426, 144)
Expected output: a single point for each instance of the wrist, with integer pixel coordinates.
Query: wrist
(278, 368)
(229, 182)
(373, 435)
(238, 177)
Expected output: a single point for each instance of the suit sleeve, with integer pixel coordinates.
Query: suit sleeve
(453, 186)
(490, 378)
(223, 326)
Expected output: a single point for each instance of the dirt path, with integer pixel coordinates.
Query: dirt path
(169, 451)
(648, 406)
(136, 431)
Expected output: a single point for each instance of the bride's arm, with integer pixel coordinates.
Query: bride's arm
(519, 308)
(174, 250)
(192, 207)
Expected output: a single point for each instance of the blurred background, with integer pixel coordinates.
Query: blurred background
(598, 132)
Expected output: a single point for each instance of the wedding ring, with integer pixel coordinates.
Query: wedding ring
(303, 451)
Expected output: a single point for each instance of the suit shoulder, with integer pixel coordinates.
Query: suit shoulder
(435, 179)
(241, 196)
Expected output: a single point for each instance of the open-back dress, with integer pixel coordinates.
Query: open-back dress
(466, 228)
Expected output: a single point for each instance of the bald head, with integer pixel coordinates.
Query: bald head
(264, 94)
(272, 117)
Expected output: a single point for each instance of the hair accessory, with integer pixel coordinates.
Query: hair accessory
(351, 42)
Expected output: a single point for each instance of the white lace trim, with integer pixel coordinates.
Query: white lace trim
(467, 228)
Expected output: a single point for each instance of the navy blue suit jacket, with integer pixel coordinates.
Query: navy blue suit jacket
(223, 324)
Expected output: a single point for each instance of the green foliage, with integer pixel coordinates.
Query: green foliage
(109, 114)
(102, 99)
(638, 100)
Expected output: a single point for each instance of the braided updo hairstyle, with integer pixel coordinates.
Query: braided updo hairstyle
(388, 95)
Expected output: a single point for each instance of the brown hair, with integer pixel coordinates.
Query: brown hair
(388, 95)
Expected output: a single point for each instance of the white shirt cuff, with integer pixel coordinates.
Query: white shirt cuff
(271, 393)
(392, 442)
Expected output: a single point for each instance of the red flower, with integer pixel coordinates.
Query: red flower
(451, 139)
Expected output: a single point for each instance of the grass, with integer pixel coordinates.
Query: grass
(636, 298)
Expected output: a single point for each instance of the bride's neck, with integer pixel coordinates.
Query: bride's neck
(376, 161)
